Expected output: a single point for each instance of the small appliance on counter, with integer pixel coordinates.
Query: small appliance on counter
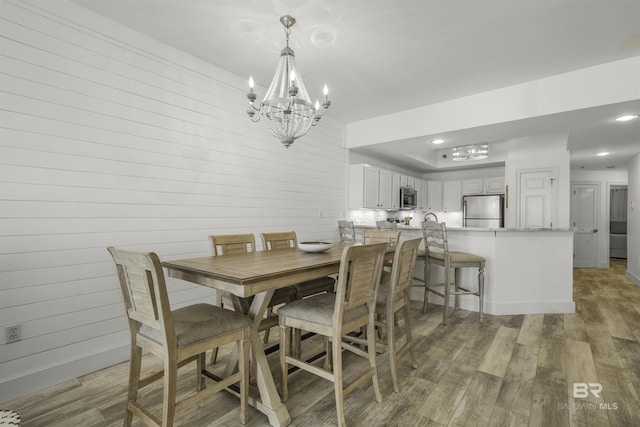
(483, 211)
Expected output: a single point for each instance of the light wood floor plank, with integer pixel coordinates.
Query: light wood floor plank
(516, 391)
(583, 411)
(531, 330)
(574, 327)
(496, 360)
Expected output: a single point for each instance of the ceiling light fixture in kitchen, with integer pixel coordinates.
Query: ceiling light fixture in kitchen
(627, 118)
(470, 152)
(286, 110)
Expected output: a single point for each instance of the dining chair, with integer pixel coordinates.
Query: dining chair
(393, 298)
(381, 235)
(288, 240)
(376, 236)
(438, 254)
(347, 231)
(386, 225)
(230, 244)
(178, 337)
(335, 315)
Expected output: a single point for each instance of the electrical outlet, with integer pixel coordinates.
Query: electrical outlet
(13, 333)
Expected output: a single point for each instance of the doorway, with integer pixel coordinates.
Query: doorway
(618, 222)
(584, 218)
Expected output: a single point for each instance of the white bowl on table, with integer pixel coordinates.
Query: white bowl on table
(314, 246)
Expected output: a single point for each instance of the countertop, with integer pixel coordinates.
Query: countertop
(501, 230)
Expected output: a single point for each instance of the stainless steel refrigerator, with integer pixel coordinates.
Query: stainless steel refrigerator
(485, 211)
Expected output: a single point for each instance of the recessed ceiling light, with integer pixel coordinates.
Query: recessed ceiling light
(627, 118)
(604, 153)
(437, 141)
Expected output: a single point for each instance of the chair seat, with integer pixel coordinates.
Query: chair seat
(199, 322)
(282, 296)
(318, 309)
(458, 257)
(315, 286)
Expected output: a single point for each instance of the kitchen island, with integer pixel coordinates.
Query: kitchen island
(528, 271)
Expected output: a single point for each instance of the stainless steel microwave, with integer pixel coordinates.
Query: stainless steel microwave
(408, 198)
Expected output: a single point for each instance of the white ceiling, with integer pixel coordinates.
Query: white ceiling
(383, 56)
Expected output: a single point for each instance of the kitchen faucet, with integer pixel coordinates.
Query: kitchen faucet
(429, 214)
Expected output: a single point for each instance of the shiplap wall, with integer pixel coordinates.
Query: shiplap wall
(109, 138)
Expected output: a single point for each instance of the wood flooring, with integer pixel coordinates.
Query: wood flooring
(509, 371)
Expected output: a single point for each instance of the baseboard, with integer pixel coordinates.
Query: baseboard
(48, 376)
(471, 303)
(535, 307)
(635, 279)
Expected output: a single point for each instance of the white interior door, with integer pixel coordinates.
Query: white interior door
(536, 197)
(584, 216)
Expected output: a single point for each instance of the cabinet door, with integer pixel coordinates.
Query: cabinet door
(371, 187)
(472, 186)
(422, 190)
(452, 196)
(386, 189)
(395, 190)
(409, 181)
(434, 195)
(494, 185)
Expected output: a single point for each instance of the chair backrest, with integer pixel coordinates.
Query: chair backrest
(230, 244)
(377, 236)
(347, 231)
(280, 240)
(386, 225)
(435, 237)
(404, 263)
(144, 292)
(358, 279)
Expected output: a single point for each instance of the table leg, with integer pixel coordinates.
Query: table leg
(269, 402)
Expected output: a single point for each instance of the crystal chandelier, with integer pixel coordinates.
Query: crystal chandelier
(286, 110)
(470, 152)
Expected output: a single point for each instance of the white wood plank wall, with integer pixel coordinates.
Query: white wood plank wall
(109, 138)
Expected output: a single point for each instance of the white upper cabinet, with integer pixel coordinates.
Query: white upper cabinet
(434, 195)
(494, 185)
(451, 196)
(472, 186)
(370, 187)
(483, 186)
(408, 181)
(395, 190)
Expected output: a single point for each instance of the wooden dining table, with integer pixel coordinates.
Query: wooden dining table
(258, 274)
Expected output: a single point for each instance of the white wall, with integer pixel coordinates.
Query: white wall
(539, 152)
(608, 84)
(111, 138)
(604, 180)
(633, 221)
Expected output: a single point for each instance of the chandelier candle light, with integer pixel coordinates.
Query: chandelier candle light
(286, 110)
